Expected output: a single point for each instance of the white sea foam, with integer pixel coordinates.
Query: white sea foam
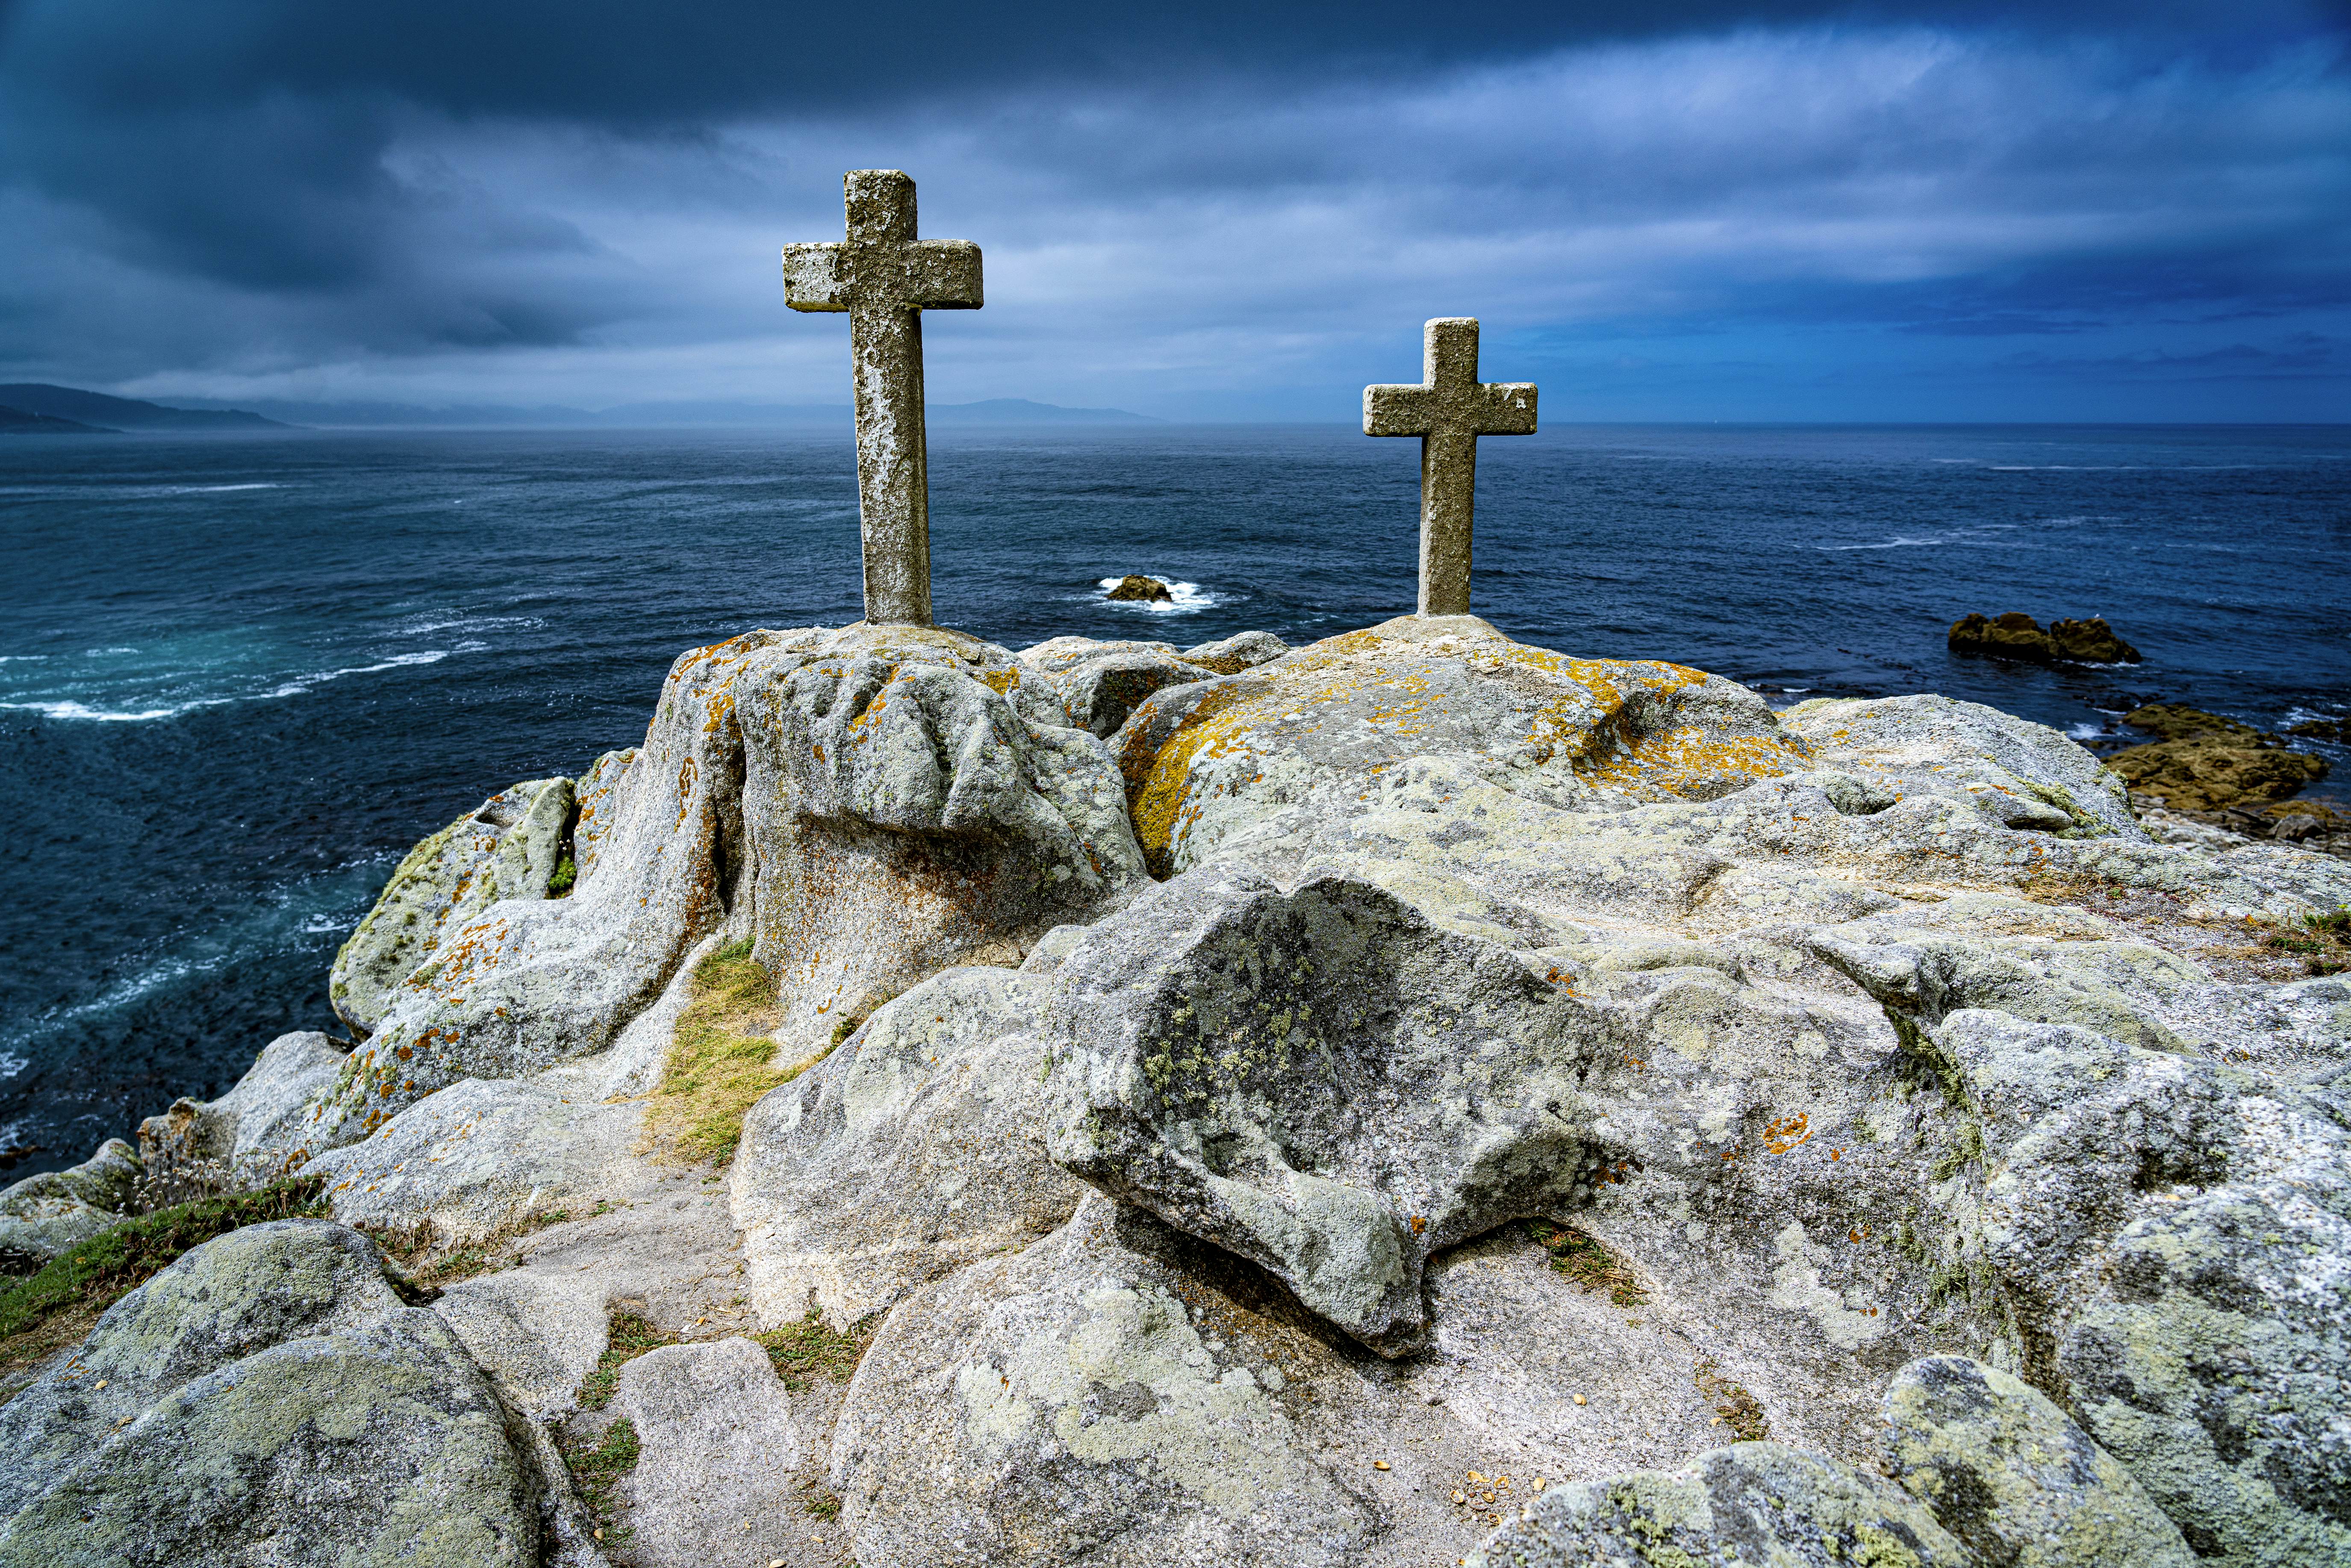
(1949, 537)
(70, 708)
(73, 710)
(215, 489)
(1185, 598)
(2085, 731)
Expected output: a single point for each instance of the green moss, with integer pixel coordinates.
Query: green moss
(566, 872)
(1587, 1262)
(722, 1059)
(595, 1472)
(629, 1337)
(807, 1351)
(38, 1313)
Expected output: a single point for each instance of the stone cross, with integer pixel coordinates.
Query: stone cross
(1448, 411)
(885, 278)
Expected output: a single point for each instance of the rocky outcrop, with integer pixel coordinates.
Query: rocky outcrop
(1242, 651)
(2205, 763)
(1101, 682)
(917, 1147)
(2005, 1470)
(56, 1211)
(871, 805)
(250, 1132)
(721, 1450)
(1323, 1082)
(1062, 1407)
(269, 1394)
(2019, 636)
(1134, 588)
(505, 848)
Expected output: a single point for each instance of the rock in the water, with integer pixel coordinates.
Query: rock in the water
(1101, 683)
(2019, 636)
(1242, 651)
(2005, 1470)
(1752, 1503)
(505, 848)
(2204, 762)
(1134, 587)
(56, 1211)
(915, 1149)
(376, 1444)
(1060, 1406)
(1321, 1082)
(718, 1446)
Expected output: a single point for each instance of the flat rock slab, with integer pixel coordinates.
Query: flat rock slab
(914, 1149)
(537, 1331)
(721, 1450)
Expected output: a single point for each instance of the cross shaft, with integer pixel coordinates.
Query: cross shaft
(1448, 411)
(885, 278)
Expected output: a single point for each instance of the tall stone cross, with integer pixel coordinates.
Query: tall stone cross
(1448, 411)
(885, 278)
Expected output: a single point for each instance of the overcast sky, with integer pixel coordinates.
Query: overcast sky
(2071, 209)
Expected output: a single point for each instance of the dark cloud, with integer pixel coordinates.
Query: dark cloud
(1200, 198)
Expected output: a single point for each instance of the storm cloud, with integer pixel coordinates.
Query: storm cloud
(1762, 209)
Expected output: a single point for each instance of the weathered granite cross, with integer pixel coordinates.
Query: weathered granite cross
(1448, 411)
(885, 278)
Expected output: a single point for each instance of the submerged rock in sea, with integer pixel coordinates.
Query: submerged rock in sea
(2204, 762)
(1134, 587)
(2016, 636)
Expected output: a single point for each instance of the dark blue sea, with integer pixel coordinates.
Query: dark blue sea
(240, 675)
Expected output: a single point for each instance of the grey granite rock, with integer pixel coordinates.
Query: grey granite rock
(1058, 1406)
(536, 1333)
(248, 1134)
(228, 1299)
(504, 848)
(377, 1444)
(2005, 1470)
(56, 1211)
(1320, 1081)
(1750, 1503)
(1101, 683)
(915, 1149)
(720, 1449)
(1242, 651)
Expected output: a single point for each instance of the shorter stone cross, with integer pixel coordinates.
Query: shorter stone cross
(885, 278)
(1448, 411)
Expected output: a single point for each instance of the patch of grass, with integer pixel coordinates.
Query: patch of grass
(566, 872)
(1587, 1262)
(721, 1063)
(2334, 923)
(596, 1471)
(629, 1337)
(410, 1249)
(1733, 1406)
(58, 1304)
(823, 1505)
(806, 1350)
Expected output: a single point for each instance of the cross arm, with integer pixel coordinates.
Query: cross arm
(941, 274)
(1505, 408)
(814, 279)
(1399, 411)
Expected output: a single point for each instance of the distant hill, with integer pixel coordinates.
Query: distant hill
(98, 411)
(16, 422)
(639, 415)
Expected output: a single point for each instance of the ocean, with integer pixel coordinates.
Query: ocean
(240, 675)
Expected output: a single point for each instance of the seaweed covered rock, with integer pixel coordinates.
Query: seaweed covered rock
(56, 1211)
(915, 1149)
(2205, 762)
(2019, 636)
(1750, 1503)
(2005, 1470)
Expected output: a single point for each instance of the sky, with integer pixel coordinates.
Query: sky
(1976, 210)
